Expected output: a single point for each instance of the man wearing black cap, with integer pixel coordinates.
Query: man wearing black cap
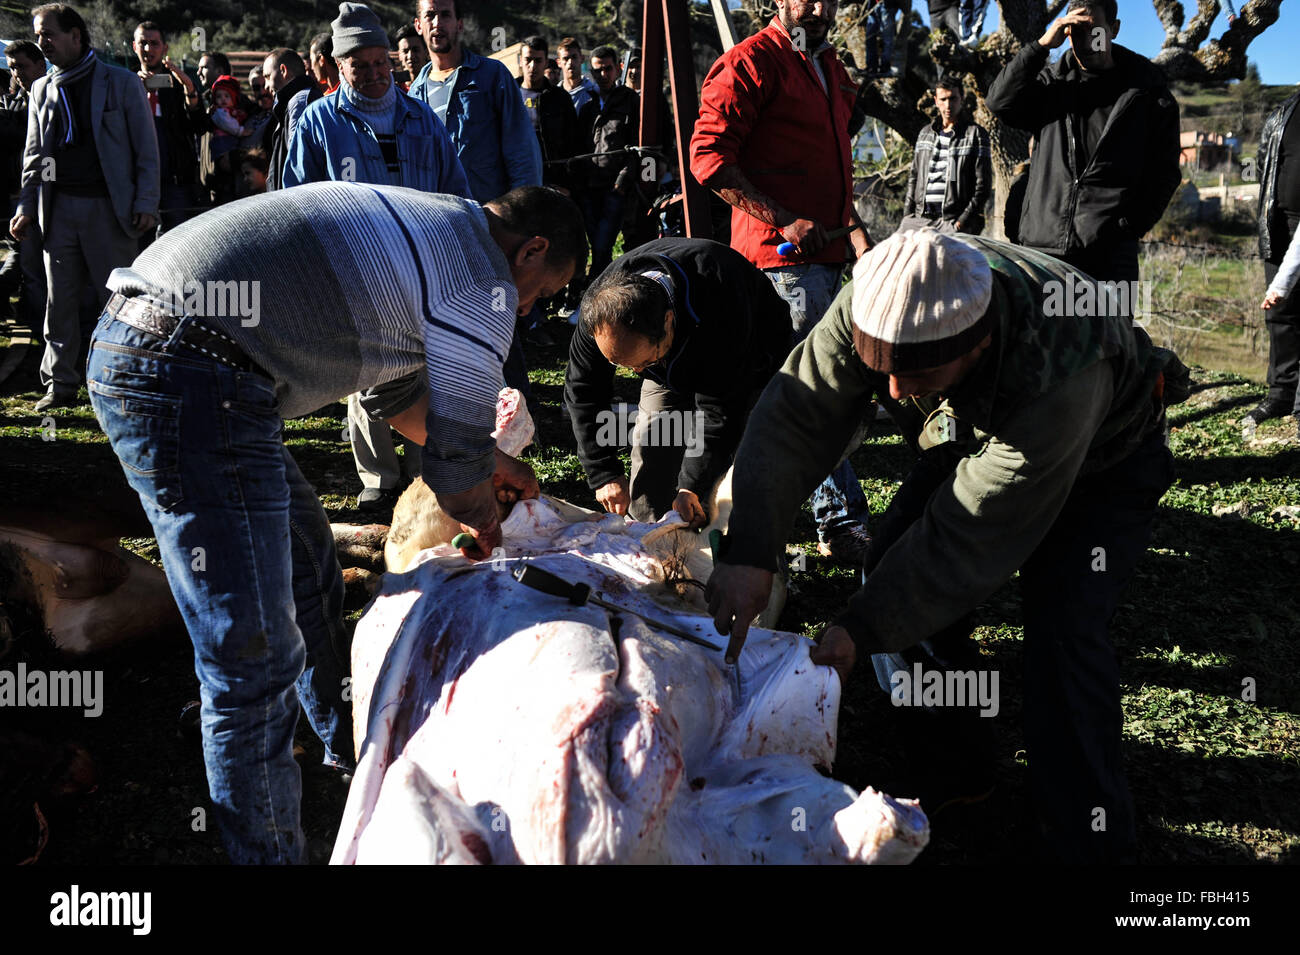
(1106, 128)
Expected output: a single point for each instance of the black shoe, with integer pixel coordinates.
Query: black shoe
(375, 500)
(1266, 410)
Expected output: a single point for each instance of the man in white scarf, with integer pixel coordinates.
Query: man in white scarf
(90, 179)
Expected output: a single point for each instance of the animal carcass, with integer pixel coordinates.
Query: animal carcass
(498, 724)
(76, 584)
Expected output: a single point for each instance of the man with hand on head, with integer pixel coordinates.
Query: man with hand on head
(705, 330)
(956, 326)
(1106, 132)
(340, 287)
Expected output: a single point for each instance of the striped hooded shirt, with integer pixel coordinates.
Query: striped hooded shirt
(337, 287)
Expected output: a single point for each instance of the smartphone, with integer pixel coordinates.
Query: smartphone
(158, 81)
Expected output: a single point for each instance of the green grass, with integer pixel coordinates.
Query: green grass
(1212, 611)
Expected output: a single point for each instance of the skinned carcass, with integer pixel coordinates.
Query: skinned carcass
(80, 587)
(498, 724)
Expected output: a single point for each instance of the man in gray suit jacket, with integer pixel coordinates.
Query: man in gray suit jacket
(90, 179)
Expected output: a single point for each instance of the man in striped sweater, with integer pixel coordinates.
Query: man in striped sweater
(269, 308)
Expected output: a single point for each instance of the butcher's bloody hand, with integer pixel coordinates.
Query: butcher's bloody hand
(476, 510)
(808, 236)
(513, 480)
(687, 505)
(737, 594)
(614, 496)
(835, 649)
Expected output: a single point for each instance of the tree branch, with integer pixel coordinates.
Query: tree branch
(1221, 59)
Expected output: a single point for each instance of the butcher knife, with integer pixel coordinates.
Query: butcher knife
(579, 594)
(788, 248)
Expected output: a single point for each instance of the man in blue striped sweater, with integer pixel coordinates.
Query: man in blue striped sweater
(269, 308)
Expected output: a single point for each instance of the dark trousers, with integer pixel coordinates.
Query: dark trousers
(1073, 719)
(602, 211)
(1115, 261)
(657, 464)
(946, 13)
(1283, 324)
(515, 371)
(1071, 586)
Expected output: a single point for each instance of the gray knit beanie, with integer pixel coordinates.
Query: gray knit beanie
(920, 300)
(356, 27)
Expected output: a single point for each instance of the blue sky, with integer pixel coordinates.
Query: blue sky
(1141, 31)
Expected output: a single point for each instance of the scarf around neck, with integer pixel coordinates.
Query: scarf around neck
(380, 113)
(62, 78)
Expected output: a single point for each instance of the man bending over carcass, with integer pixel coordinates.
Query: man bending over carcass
(1042, 451)
(705, 330)
(269, 308)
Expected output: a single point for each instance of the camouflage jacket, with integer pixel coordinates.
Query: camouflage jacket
(1057, 394)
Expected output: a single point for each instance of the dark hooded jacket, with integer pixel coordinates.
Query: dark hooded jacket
(1077, 197)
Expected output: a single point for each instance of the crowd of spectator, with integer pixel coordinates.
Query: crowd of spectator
(441, 118)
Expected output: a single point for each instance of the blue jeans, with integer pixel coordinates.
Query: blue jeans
(809, 289)
(250, 559)
(602, 211)
(972, 19)
(881, 22)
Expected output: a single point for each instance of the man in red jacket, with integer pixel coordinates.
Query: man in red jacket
(772, 139)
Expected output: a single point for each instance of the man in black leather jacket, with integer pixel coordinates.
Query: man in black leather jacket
(1279, 214)
(554, 118)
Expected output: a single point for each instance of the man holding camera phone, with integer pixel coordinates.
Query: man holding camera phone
(178, 116)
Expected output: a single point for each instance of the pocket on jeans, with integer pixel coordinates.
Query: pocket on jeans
(144, 431)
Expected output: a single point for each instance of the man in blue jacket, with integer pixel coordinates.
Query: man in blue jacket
(478, 100)
(370, 131)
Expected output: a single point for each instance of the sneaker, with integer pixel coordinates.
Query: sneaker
(1264, 411)
(848, 546)
(375, 500)
(57, 399)
(565, 311)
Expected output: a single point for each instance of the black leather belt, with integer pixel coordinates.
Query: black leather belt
(153, 319)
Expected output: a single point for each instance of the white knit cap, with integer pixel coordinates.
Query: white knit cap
(920, 300)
